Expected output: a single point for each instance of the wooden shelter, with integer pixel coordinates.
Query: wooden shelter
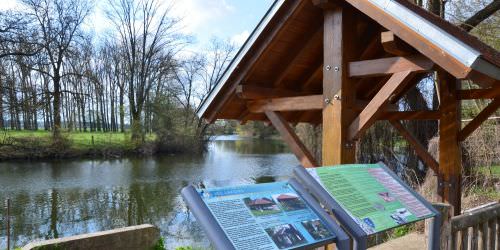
(345, 64)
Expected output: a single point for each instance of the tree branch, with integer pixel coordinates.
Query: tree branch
(480, 16)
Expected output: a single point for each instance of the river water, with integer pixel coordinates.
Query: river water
(53, 199)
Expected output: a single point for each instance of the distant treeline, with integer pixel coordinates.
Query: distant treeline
(56, 75)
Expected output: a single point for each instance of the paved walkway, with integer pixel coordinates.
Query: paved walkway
(413, 241)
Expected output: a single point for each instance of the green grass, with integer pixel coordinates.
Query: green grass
(77, 142)
(495, 171)
(265, 212)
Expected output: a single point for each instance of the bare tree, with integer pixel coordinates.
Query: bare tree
(146, 33)
(58, 23)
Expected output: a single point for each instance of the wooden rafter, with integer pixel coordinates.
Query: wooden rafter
(366, 118)
(387, 66)
(413, 38)
(417, 146)
(394, 45)
(479, 93)
(293, 141)
(248, 67)
(301, 50)
(311, 76)
(286, 104)
(479, 119)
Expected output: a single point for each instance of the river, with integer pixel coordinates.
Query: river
(52, 199)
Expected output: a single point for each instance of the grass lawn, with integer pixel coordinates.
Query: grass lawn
(79, 140)
(265, 212)
(495, 171)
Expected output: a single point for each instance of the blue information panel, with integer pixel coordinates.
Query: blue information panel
(265, 216)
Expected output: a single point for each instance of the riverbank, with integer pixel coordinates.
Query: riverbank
(34, 145)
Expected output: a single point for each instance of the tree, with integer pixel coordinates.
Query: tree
(146, 34)
(58, 23)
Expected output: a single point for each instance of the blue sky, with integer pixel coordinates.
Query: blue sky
(203, 19)
(227, 19)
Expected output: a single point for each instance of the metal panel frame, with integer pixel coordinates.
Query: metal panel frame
(219, 239)
(358, 235)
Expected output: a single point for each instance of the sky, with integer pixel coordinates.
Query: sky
(202, 19)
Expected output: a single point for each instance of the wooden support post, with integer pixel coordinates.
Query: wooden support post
(450, 163)
(291, 139)
(338, 91)
(339, 48)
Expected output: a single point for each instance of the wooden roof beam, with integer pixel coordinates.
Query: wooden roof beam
(394, 45)
(479, 119)
(293, 141)
(302, 48)
(251, 92)
(385, 66)
(470, 94)
(286, 104)
(369, 115)
(303, 103)
(325, 4)
(411, 115)
(417, 146)
(311, 76)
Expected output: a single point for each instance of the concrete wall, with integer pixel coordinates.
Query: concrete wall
(135, 237)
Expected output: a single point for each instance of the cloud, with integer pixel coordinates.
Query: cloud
(239, 39)
(197, 14)
(10, 5)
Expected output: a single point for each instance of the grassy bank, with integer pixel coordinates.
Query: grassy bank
(40, 144)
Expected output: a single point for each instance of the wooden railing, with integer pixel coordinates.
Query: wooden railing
(475, 229)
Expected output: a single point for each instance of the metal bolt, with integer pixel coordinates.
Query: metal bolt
(336, 68)
(336, 97)
(328, 67)
(327, 101)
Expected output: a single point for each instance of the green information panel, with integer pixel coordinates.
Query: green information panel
(374, 199)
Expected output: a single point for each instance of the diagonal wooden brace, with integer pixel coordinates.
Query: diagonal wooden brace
(417, 146)
(293, 141)
(480, 118)
(369, 115)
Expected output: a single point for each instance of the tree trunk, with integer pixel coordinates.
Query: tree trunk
(122, 112)
(57, 105)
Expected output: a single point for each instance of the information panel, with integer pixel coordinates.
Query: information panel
(371, 196)
(265, 216)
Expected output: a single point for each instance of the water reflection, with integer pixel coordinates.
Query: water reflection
(63, 198)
